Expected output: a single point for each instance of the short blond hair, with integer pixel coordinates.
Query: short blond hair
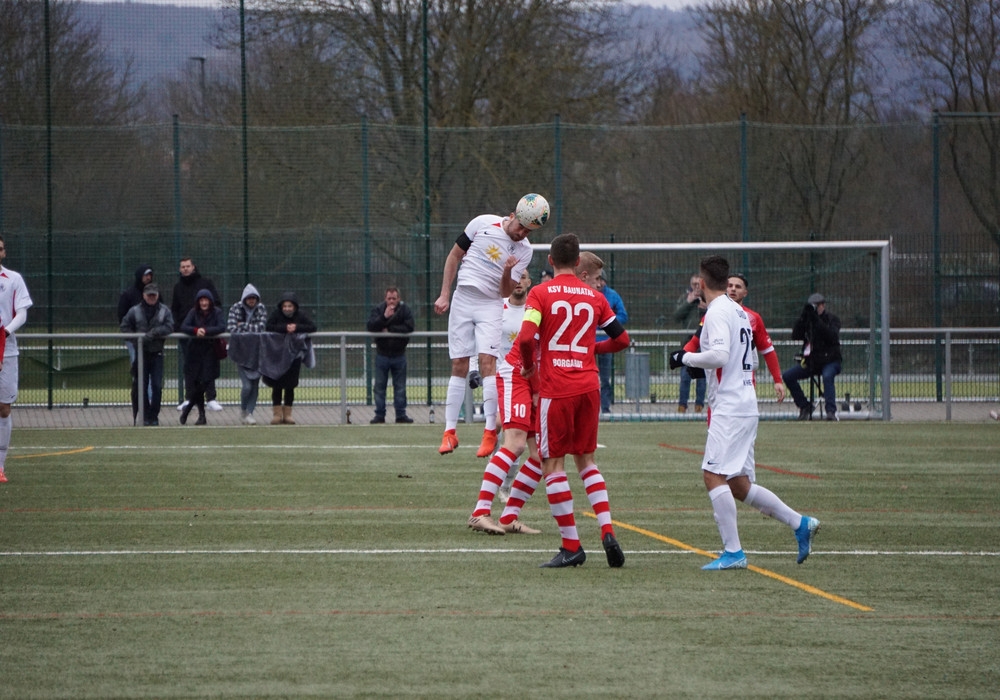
(590, 262)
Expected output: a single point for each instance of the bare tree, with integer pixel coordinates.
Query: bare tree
(956, 44)
(795, 62)
(490, 62)
(88, 87)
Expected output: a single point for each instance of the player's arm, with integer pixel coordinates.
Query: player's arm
(450, 271)
(507, 280)
(527, 340)
(617, 339)
(20, 318)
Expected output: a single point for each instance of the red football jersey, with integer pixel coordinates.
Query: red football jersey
(567, 314)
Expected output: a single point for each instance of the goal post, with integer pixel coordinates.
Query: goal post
(853, 275)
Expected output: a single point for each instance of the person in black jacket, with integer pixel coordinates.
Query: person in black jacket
(391, 316)
(189, 283)
(201, 368)
(819, 331)
(287, 319)
(151, 317)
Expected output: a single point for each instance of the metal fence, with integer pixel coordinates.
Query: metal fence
(928, 365)
(337, 212)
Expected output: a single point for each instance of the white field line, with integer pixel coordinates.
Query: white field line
(157, 448)
(460, 550)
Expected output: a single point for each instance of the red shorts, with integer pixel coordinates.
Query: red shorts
(517, 411)
(568, 426)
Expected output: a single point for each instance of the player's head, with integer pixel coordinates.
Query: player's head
(737, 288)
(3, 249)
(714, 273)
(521, 288)
(590, 269)
(564, 251)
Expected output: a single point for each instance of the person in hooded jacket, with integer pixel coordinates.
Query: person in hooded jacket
(290, 320)
(132, 296)
(201, 368)
(153, 318)
(189, 283)
(247, 318)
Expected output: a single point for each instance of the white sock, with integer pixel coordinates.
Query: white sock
(5, 428)
(724, 510)
(490, 398)
(769, 504)
(453, 402)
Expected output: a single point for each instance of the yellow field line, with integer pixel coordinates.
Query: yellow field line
(770, 574)
(54, 454)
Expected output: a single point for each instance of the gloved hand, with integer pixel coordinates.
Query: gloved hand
(676, 359)
(475, 379)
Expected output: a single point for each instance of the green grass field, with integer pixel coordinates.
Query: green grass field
(335, 562)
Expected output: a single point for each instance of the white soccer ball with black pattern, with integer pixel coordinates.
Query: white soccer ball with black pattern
(532, 211)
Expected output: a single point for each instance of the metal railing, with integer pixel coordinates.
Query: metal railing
(942, 365)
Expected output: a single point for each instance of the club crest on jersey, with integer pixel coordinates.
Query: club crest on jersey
(493, 252)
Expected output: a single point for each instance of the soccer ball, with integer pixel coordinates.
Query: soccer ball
(532, 211)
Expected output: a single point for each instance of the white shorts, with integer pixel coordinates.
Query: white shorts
(8, 380)
(729, 448)
(475, 324)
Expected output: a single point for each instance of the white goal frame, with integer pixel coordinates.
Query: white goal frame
(880, 247)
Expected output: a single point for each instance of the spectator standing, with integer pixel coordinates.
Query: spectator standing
(14, 304)
(560, 321)
(133, 295)
(492, 251)
(280, 365)
(152, 318)
(201, 368)
(189, 283)
(605, 361)
(391, 316)
(819, 331)
(247, 319)
(690, 308)
(728, 466)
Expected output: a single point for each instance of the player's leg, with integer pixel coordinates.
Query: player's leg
(489, 326)
(725, 457)
(496, 470)
(524, 485)
(554, 427)
(8, 394)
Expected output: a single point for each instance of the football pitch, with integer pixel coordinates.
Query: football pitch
(336, 562)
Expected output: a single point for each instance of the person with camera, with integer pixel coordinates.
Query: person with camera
(819, 331)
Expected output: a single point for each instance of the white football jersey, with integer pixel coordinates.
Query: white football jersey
(14, 298)
(482, 266)
(730, 389)
(513, 316)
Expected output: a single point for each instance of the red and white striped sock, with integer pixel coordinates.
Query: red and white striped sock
(493, 476)
(597, 492)
(561, 504)
(521, 490)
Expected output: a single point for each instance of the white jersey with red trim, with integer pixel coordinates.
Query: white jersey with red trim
(730, 388)
(14, 299)
(512, 318)
(482, 266)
